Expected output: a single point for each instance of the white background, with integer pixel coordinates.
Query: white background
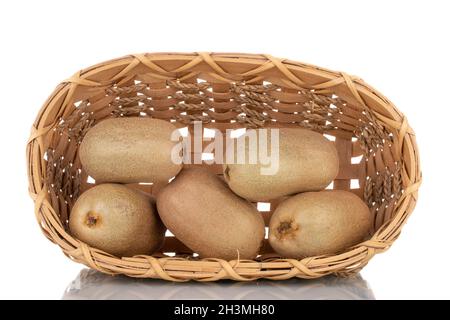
(399, 47)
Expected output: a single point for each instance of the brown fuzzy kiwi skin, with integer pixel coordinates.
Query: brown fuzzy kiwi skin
(129, 150)
(307, 162)
(200, 210)
(118, 220)
(317, 223)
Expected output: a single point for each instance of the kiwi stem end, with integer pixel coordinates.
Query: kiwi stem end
(286, 229)
(92, 219)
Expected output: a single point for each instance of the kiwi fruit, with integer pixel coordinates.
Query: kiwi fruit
(307, 162)
(129, 150)
(118, 220)
(317, 223)
(200, 210)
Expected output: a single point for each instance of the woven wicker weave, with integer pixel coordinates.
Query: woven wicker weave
(378, 154)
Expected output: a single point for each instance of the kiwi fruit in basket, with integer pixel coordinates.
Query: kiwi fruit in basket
(307, 162)
(317, 223)
(129, 150)
(200, 210)
(118, 220)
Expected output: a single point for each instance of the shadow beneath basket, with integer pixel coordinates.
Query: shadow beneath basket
(90, 284)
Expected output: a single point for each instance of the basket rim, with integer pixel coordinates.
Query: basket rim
(177, 269)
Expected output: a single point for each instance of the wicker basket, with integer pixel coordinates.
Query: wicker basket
(377, 150)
